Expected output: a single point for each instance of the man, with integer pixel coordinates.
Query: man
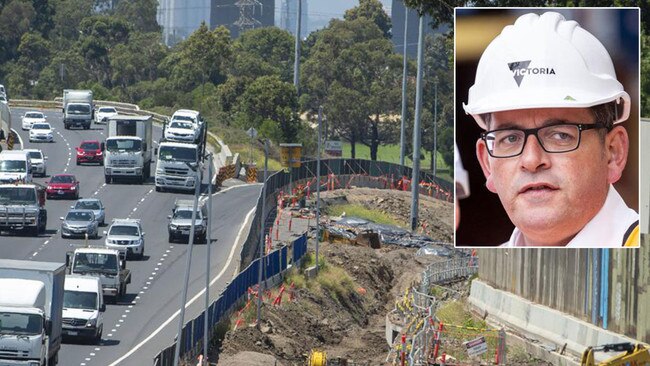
(547, 96)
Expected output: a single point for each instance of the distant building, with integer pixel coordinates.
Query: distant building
(242, 15)
(397, 19)
(179, 18)
(288, 13)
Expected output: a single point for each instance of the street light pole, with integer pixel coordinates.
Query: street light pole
(415, 178)
(188, 263)
(402, 136)
(262, 229)
(320, 120)
(208, 242)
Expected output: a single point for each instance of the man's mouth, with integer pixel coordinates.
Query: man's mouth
(538, 187)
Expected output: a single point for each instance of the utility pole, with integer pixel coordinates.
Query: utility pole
(402, 138)
(206, 339)
(415, 179)
(188, 263)
(296, 61)
(262, 229)
(320, 120)
(434, 159)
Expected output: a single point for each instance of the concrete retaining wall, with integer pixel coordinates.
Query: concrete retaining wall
(538, 321)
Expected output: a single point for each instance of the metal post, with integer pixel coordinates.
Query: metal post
(188, 263)
(261, 259)
(296, 61)
(415, 179)
(208, 237)
(435, 130)
(320, 120)
(402, 136)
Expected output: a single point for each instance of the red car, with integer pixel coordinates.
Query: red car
(90, 151)
(63, 185)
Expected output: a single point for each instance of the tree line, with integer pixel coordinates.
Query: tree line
(350, 68)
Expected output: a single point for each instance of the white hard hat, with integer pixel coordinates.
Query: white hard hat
(544, 62)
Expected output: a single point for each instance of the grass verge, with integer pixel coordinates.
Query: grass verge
(364, 213)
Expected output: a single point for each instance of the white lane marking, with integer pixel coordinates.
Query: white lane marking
(187, 304)
(233, 187)
(92, 353)
(97, 348)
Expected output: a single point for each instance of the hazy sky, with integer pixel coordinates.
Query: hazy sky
(321, 11)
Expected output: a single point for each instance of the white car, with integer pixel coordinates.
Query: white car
(41, 132)
(181, 131)
(104, 113)
(39, 162)
(32, 117)
(126, 235)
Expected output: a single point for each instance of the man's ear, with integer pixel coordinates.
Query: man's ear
(484, 160)
(617, 144)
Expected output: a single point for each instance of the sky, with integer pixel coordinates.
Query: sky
(321, 11)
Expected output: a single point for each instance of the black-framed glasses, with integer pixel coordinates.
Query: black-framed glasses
(559, 138)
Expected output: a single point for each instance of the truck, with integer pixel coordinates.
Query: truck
(176, 166)
(15, 166)
(128, 148)
(107, 264)
(22, 207)
(83, 305)
(180, 221)
(31, 312)
(78, 108)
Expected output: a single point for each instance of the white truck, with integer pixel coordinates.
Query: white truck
(22, 207)
(175, 166)
(107, 264)
(78, 108)
(15, 166)
(31, 308)
(83, 305)
(128, 148)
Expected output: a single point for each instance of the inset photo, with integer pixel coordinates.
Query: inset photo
(547, 127)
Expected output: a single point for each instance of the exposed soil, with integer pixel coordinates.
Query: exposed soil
(350, 327)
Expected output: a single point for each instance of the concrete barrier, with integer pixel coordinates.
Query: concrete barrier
(541, 322)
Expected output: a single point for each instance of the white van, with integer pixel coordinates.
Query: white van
(83, 305)
(15, 165)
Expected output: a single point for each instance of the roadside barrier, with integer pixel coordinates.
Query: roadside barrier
(239, 289)
(251, 174)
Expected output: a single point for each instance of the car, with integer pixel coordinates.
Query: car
(29, 118)
(181, 131)
(39, 162)
(79, 223)
(126, 235)
(90, 151)
(104, 113)
(180, 221)
(62, 185)
(41, 132)
(93, 204)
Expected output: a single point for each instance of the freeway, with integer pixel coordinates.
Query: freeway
(145, 322)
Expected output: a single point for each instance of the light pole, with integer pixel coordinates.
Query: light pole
(261, 259)
(320, 120)
(415, 184)
(208, 242)
(197, 168)
(402, 136)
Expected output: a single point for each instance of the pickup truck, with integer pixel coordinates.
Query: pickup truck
(107, 264)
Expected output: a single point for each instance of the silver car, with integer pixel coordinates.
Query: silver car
(93, 204)
(79, 223)
(126, 235)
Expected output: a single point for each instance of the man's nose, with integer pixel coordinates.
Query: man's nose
(534, 157)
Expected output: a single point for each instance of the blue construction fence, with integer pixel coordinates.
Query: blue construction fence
(273, 264)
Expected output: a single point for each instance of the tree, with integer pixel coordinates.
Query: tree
(265, 51)
(15, 20)
(137, 60)
(99, 35)
(372, 10)
(270, 99)
(68, 14)
(203, 57)
(140, 14)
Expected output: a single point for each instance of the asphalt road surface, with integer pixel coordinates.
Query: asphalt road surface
(146, 320)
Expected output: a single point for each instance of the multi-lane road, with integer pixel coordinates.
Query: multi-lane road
(146, 321)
